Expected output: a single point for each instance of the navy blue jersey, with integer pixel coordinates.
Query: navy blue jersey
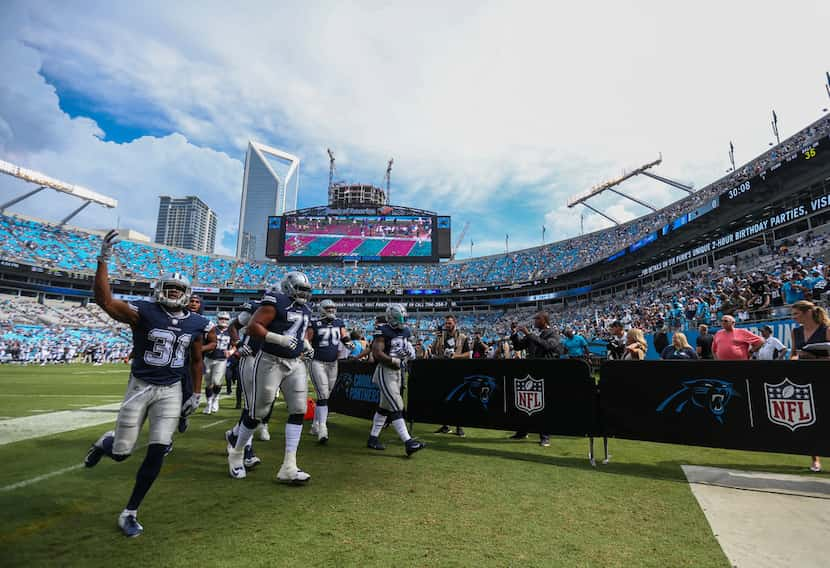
(291, 319)
(393, 339)
(223, 343)
(326, 338)
(244, 338)
(161, 342)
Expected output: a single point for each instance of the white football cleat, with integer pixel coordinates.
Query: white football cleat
(314, 428)
(292, 474)
(208, 406)
(216, 403)
(236, 467)
(323, 434)
(264, 434)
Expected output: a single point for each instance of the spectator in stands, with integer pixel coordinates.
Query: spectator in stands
(661, 340)
(734, 344)
(480, 348)
(813, 329)
(679, 348)
(704, 342)
(450, 343)
(636, 346)
(772, 348)
(542, 344)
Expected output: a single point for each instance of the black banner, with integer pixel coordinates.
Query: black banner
(550, 396)
(354, 394)
(772, 406)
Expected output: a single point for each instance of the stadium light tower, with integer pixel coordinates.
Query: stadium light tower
(45, 182)
(389, 180)
(610, 185)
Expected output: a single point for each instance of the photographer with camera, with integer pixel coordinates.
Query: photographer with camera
(542, 343)
(451, 344)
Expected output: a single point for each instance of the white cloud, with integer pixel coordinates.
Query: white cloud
(494, 113)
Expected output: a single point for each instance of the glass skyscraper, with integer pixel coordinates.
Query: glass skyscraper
(186, 222)
(269, 187)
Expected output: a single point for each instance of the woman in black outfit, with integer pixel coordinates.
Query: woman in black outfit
(813, 328)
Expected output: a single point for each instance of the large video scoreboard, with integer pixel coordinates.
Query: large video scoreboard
(365, 238)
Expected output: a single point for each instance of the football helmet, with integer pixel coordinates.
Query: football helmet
(223, 320)
(395, 315)
(328, 310)
(173, 281)
(296, 286)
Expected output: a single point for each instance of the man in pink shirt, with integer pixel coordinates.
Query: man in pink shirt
(732, 344)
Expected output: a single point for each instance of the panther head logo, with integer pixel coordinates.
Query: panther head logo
(713, 395)
(478, 387)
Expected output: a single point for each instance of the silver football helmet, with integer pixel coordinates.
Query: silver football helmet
(395, 315)
(328, 310)
(223, 320)
(296, 286)
(173, 281)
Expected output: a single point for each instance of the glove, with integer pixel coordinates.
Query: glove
(244, 351)
(191, 404)
(449, 352)
(287, 341)
(308, 350)
(110, 240)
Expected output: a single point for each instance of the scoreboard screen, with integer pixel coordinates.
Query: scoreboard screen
(384, 238)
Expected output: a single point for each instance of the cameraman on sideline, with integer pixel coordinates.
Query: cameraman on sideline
(451, 344)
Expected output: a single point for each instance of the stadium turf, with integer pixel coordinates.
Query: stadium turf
(481, 500)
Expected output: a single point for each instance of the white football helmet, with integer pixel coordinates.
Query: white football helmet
(328, 310)
(173, 281)
(395, 315)
(296, 286)
(223, 320)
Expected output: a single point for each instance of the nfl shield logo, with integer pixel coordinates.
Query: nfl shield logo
(529, 394)
(790, 405)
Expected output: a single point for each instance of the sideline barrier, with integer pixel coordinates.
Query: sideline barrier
(769, 406)
(354, 394)
(551, 396)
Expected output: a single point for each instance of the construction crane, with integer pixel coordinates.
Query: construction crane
(459, 240)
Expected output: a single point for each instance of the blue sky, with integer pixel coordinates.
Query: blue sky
(495, 113)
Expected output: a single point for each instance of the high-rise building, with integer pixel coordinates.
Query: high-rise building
(186, 222)
(269, 187)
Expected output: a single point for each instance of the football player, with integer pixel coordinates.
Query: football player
(280, 324)
(208, 344)
(325, 334)
(216, 362)
(390, 349)
(167, 341)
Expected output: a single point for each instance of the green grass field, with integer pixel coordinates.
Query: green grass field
(481, 500)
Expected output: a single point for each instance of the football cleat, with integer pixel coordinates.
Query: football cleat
(323, 434)
(169, 449)
(443, 430)
(236, 465)
(129, 525)
(413, 445)
(183, 424)
(230, 438)
(96, 450)
(264, 434)
(373, 443)
(544, 441)
(518, 436)
(292, 475)
(314, 428)
(216, 403)
(459, 431)
(251, 459)
(208, 407)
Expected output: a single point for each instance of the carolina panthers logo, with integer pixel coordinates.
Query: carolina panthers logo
(478, 387)
(711, 394)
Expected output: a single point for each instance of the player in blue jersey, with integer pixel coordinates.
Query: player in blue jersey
(280, 325)
(216, 362)
(391, 349)
(167, 341)
(325, 334)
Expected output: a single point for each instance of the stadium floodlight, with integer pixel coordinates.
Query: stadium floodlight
(604, 186)
(45, 181)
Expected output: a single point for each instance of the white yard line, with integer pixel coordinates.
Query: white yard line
(33, 480)
(212, 424)
(28, 427)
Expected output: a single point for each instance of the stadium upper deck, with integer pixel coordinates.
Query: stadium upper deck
(74, 250)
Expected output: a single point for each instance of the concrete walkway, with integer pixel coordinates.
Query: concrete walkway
(764, 519)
